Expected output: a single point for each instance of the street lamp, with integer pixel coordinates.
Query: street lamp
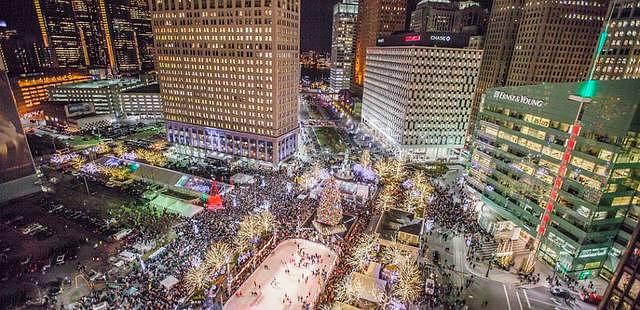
(493, 256)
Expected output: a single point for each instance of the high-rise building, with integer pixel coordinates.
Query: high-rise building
(228, 74)
(376, 18)
(31, 90)
(128, 25)
(433, 15)
(59, 32)
(624, 288)
(17, 171)
(343, 40)
(471, 19)
(559, 161)
(619, 57)
(530, 42)
(556, 41)
(92, 44)
(17, 53)
(418, 92)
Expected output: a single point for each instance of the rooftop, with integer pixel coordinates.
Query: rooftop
(149, 88)
(101, 83)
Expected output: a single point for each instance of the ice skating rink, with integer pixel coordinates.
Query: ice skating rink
(289, 280)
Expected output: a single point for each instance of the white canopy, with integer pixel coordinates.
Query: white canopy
(169, 282)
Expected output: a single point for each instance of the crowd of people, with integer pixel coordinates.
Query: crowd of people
(273, 191)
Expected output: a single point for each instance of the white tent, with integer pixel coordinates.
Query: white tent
(169, 282)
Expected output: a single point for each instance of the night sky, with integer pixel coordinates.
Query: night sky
(315, 26)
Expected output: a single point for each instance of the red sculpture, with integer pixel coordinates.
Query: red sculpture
(214, 201)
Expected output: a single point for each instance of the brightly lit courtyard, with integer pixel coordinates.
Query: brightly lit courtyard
(273, 284)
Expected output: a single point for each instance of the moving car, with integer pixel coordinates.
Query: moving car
(561, 292)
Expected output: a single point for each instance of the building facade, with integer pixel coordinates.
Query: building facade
(624, 288)
(59, 32)
(498, 44)
(433, 15)
(228, 74)
(31, 90)
(104, 95)
(556, 41)
(343, 40)
(376, 18)
(530, 42)
(17, 171)
(561, 160)
(619, 57)
(471, 19)
(142, 102)
(418, 98)
(128, 24)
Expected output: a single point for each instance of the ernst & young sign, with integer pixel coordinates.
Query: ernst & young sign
(521, 99)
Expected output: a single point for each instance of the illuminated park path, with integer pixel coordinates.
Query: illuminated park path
(271, 294)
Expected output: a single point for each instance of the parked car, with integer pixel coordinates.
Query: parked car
(591, 298)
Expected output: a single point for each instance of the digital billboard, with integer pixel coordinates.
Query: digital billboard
(15, 157)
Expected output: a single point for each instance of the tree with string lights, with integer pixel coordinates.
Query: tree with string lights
(329, 210)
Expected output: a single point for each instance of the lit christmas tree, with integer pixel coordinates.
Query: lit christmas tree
(330, 210)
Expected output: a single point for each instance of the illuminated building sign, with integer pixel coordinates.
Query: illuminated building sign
(518, 99)
(415, 38)
(435, 39)
(440, 38)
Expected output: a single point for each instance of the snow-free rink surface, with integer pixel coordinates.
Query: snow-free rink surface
(273, 283)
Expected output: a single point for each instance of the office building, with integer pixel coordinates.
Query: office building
(104, 95)
(560, 160)
(142, 102)
(376, 18)
(619, 57)
(433, 15)
(59, 32)
(556, 41)
(31, 90)
(18, 53)
(17, 171)
(624, 287)
(228, 74)
(92, 41)
(529, 42)
(418, 91)
(471, 19)
(128, 26)
(343, 40)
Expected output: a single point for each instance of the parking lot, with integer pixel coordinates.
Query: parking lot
(46, 242)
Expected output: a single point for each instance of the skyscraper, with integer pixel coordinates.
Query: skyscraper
(343, 41)
(556, 41)
(618, 59)
(418, 92)
(433, 15)
(530, 42)
(128, 26)
(228, 74)
(498, 47)
(18, 53)
(560, 168)
(375, 18)
(92, 44)
(17, 171)
(59, 32)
